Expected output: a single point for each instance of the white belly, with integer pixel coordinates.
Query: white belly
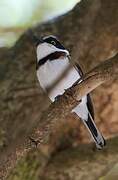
(51, 71)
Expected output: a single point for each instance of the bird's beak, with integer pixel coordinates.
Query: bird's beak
(36, 40)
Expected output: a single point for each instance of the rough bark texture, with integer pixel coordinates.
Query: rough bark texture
(90, 32)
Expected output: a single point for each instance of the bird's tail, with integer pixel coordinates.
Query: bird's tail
(95, 133)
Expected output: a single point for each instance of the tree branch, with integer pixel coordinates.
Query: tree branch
(49, 133)
(80, 162)
(91, 36)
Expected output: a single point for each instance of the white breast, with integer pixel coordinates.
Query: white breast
(51, 71)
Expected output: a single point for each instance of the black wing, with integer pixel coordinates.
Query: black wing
(90, 105)
(79, 69)
(89, 123)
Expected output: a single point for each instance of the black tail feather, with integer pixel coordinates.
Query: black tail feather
(95, 133)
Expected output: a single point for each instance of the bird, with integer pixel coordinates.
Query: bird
(52, 61)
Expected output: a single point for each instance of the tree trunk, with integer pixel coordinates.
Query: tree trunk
(90, 32)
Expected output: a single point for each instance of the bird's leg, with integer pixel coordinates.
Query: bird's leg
(57, 97)
(34, 142)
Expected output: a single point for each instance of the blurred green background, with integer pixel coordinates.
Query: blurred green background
(17, 15)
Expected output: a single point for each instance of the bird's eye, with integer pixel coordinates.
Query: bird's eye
(53, 42)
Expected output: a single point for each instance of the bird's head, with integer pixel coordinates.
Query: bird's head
(49, 48)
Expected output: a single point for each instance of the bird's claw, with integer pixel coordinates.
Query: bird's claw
(57, 97)
(34, 142)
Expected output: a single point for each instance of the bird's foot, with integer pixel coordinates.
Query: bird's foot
(57, 97)
(33, 142)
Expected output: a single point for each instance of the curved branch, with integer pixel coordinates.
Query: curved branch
(108, 70)
(50, 131)
(102, 73)
(21, 105)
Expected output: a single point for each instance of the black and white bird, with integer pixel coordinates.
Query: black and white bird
(52, 61)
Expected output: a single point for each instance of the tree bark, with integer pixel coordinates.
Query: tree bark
(91, 35)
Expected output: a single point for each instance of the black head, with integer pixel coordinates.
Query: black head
(49, 48)
(54, 41)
